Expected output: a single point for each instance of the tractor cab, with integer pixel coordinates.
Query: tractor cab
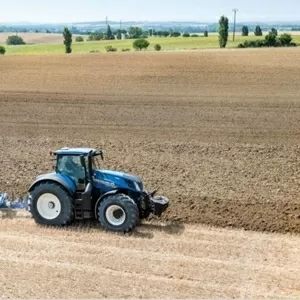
(78, 164)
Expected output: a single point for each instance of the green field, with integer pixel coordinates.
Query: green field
(179, 43)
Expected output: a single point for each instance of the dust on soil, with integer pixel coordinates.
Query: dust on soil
(217, 131)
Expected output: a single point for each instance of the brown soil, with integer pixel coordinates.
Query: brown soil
(35, 38)
(218, 131)
(154, 262)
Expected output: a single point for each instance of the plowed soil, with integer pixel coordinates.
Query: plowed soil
(35, 38)
(217, 131)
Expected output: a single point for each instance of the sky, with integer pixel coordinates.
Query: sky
(55, 11)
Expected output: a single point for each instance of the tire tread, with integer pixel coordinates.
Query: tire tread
(67, 215)
(130, 207)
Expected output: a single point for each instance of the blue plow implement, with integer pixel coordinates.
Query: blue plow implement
(5, 202)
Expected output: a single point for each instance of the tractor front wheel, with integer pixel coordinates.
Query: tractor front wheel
(118, 213)
(50, 204)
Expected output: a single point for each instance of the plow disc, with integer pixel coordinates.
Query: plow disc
(13, 208)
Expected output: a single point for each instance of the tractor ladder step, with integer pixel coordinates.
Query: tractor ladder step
(79, 213)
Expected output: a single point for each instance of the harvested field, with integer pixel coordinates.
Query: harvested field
(218, 131)
(35, 38)
(155, 262)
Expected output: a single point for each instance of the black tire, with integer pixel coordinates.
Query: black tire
(66, 214)
(129, 208)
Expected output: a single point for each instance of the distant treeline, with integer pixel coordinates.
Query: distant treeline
(88, 28)
(135, 32)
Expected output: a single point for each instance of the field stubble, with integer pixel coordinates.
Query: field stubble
(156, 261)
(218, 131)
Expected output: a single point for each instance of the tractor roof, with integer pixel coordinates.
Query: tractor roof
(75, 151)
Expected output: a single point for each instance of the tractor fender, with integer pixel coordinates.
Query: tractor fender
(113, 192)
(61, 179)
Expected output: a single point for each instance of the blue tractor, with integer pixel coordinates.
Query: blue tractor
(79, 189)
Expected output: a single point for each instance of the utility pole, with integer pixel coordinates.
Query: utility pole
(234, 10)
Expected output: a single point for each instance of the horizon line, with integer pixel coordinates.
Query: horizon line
(142, 21)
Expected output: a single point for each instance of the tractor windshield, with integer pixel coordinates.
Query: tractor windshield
(71, 166)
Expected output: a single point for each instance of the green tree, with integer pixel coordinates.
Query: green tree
(160, 33)
(186, 34)
(135, 32)
(2, 50)
(140, 44)
(119, 34)
(270, 40)
(110, 48)
(79, 39)
(285, 39)
(96, 36)
(245, 31)
(68, 40)
(206, 33)
(258, 31)
(157, 47)
(175, 34)
(274, 31)
(15, 40)
(223, 31)
(109, 34)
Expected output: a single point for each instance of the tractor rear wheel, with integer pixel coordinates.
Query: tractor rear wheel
(51, 205)
(118, 213)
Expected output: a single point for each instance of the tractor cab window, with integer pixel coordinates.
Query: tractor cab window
(72, 167)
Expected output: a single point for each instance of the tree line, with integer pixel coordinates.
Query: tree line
(138, 44)
(257, 32)
(140, 36)
(135, 32)
(271, 39)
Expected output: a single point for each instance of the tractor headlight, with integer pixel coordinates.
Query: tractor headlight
(137, 186)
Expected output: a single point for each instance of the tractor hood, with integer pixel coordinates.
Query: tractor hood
(120, 175)
(113, 179)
